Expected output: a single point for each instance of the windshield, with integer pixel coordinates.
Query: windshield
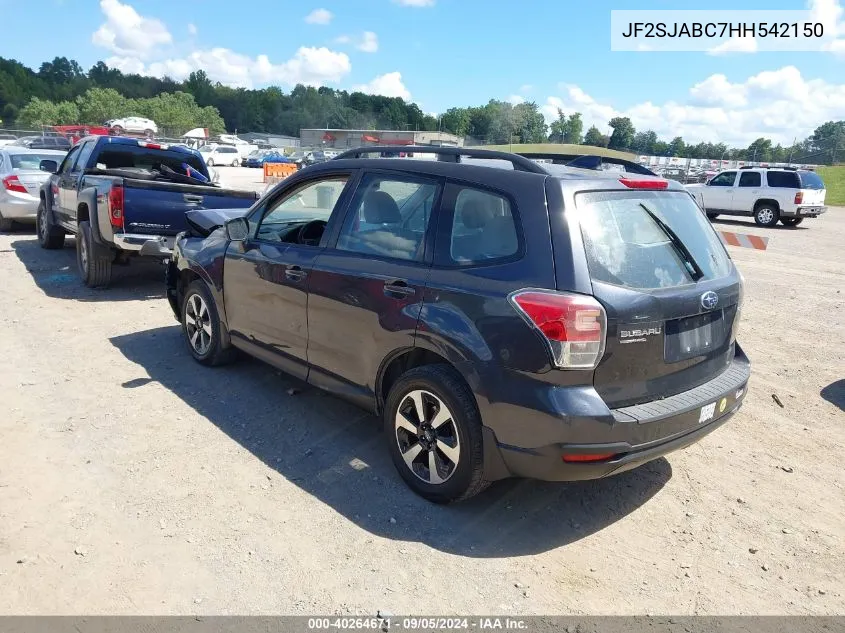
(32, 161)
(649, 239)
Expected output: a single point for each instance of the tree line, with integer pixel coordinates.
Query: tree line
(61, 92)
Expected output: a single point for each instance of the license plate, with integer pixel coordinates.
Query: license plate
(694, 336)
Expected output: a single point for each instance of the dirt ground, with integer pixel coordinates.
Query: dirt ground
(133, 481)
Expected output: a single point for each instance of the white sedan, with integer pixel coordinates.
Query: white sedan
(20, 181)
(135, 124)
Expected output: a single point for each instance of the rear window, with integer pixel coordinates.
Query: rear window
(134, 156)
(783, 179)
(625, 246)
(31, 161)
(810, 180)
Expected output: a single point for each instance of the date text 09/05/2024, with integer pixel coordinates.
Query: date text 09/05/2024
(417, 624)
(723, 29)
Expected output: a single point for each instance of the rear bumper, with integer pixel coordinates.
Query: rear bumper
(631, 436)
(146, 245)
(803, 212)
(21, 207)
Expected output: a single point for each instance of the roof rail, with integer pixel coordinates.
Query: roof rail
(445, 154)
(768, 167)
(589, 161)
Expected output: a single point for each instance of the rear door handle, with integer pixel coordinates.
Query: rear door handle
(398, 288)
(295, 273)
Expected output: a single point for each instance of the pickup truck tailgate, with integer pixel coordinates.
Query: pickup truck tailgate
(158, 208)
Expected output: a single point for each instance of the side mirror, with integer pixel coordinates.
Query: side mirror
(50, 166)
(237, 229)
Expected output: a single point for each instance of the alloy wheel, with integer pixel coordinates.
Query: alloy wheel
(427, 437)
(765, 215)
(198, 324)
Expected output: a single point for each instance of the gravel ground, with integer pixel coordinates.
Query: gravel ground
(133, 481)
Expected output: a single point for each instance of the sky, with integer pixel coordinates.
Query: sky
(445, 53)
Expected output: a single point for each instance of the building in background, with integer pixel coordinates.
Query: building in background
(274, 140)
(346, 139)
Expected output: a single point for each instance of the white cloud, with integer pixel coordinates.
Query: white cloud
(778, 104)
(343, 39)
(735, 44)
(309, 66)
(192, 29)
(369, 42)
(525, 88)
(415, 3)
(125, 32)
(319, 16)
(515, 99)
(387, 85)
(831, 15)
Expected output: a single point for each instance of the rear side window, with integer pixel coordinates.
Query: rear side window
(626, 246)
(810, 180)
(783, 179)
(750, 179)
(483, 228)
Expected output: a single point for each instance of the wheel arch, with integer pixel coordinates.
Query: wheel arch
(762, 201)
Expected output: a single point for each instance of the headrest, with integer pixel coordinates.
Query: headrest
(381, 208)
(475, 214)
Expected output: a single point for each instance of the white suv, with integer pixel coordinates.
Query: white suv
(768, 194)
(135, 124)
(221, 155)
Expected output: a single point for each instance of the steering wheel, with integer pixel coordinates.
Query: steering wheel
(310, 233)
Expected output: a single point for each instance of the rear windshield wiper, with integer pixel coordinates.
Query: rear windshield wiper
(691, 265)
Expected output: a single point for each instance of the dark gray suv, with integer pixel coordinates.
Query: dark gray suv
(503, 317)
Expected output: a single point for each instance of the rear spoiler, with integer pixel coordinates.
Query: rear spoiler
(589, 161)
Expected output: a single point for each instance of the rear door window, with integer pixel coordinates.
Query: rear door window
(750, 179)
(483, 227)
(783, 179)
(627, 246)
(810, 180)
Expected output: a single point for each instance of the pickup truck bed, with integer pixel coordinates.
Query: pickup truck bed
(124, 198)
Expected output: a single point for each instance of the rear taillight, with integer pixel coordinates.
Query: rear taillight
(574, 326)
(645, 183)
(11, 183)
(116, 206)
(799, 197)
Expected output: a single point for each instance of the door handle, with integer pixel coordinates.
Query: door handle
(295, 273)
(192, 199)
(399, 288)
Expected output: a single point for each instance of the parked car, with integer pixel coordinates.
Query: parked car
(305, 158)
(43, 142)
(21, 179)
(221, 155)
(503, 318)
(767, 194)
(122, 198)
(133, 124)
(6, 139)
(258, 159)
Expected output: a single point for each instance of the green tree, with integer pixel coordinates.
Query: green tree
(677, 147)
(595, 138)
(98, 105)
(38, 112)
(623, 133)
(644, 142)
(574, 129)
(558, 128)
(759, 151)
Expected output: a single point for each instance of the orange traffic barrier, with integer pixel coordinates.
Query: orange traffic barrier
(744, 240)
(281, 170)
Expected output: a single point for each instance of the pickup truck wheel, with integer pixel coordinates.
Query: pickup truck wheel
(49, 236)
(6, 225)
(94, 261)
(791, 221)
(433, 432)
(766, 214)
(201, 327)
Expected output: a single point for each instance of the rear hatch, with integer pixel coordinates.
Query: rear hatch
(669, 289)
(812, 189)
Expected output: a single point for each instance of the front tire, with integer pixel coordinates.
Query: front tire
(49, 236)
(94, 261)
(209, 162)
(433, 431)
(791, 221)
(201, 327)
(236, 163)
(766, 215)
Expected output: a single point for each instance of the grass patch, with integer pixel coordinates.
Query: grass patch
(834, 182)
(560, 148)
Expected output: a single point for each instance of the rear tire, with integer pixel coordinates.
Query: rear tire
(94, 261)
(766, 214)
(791, 221)
(149, 133)
(209, 162)
(49, 236)
(438, 452)
(201, 327)
(118, 131)
(6, 225)
(236, 163)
